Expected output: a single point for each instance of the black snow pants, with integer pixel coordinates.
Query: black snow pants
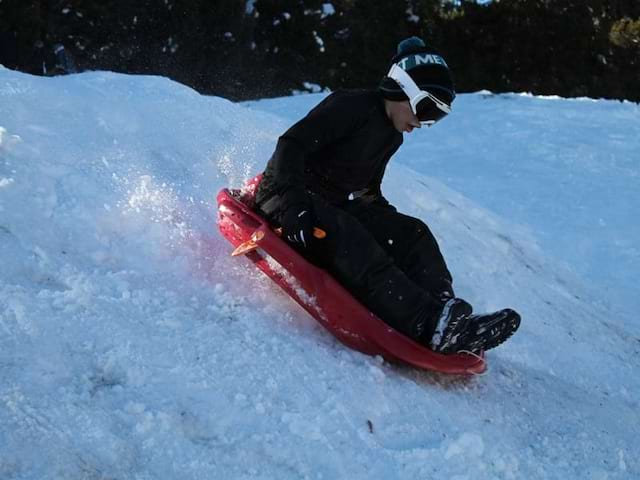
(389, 261)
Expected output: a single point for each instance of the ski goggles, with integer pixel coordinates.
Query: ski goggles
(427, 107)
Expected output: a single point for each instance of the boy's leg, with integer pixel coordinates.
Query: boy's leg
(415, 250)
(409, 242)
(355, 258)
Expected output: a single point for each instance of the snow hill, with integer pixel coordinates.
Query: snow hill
(133, 347)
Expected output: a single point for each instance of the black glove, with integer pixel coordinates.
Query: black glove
(298, 219)
(297, 227)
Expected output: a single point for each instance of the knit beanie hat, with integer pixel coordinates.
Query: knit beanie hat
(425, 66)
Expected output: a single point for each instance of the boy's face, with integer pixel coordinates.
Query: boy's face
(401, 115)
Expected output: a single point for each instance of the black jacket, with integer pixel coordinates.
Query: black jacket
(341, 147)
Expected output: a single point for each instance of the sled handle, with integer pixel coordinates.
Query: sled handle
(251, 244)
(317, 233)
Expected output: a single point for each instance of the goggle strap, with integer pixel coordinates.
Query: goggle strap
(405, 81)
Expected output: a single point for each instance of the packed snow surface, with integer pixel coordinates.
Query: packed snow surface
(132, 346)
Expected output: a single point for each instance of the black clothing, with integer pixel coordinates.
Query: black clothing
(389, 261)
(342, 146)
(331, 163)
(408, 241)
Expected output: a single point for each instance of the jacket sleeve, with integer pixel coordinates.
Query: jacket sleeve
(334, 118)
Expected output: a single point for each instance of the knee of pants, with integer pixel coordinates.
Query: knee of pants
(419, 229)
(353, 250)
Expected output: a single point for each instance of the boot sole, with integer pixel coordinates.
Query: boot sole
(495, 332)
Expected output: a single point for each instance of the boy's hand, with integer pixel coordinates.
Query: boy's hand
(297, 226)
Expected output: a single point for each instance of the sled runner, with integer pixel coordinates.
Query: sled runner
(320, 294)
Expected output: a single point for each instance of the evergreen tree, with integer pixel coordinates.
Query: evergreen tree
(260, 48)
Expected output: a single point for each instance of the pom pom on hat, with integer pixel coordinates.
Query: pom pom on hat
(409, 45)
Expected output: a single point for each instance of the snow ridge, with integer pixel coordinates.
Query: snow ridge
(133, 346)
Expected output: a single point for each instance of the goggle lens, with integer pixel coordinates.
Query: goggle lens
(428, 111)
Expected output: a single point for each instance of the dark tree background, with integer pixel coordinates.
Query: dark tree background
(243, 49)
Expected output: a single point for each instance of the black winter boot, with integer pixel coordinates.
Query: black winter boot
(488, 330)
(457, 331)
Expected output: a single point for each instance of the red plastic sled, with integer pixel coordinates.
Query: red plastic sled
(321, 295)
